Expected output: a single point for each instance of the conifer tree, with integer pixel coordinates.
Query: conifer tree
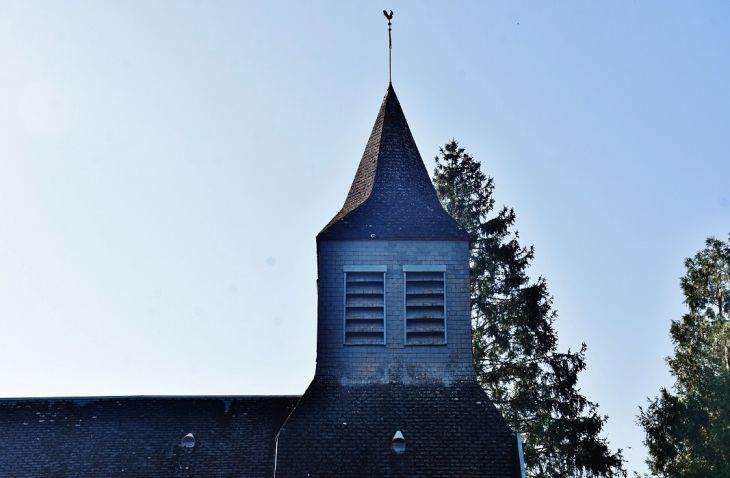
(688, 429)
(514, 342)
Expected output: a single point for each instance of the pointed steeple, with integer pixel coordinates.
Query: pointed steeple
(392, 196)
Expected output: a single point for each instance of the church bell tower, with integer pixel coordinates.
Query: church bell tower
(394, 392)
(393, 271)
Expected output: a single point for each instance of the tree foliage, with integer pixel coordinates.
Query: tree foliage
(514, 341)
(688, 429)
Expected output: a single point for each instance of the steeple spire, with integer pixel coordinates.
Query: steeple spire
(392, 196)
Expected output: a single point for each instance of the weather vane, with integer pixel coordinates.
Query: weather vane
(389, 16)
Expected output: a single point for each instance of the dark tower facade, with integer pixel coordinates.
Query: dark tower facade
(394, 392)
(393, 272)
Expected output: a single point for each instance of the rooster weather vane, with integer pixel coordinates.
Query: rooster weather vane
(389, 16)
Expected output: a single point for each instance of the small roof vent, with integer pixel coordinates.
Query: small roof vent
(398, 444)
(188, 441)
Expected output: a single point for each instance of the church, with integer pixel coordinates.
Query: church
(394, 393)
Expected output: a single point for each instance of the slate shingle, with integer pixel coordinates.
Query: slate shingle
(392, 196)
(346, 432)
(139, 437)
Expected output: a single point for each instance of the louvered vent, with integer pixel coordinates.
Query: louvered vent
(425, 305)
(365, 305)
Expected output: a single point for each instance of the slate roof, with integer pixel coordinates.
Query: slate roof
(140, 436)
(346, 432)
(392, 196)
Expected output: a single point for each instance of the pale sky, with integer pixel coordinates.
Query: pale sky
(166, 166)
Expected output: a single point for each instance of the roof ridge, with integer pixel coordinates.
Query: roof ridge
(139, 397)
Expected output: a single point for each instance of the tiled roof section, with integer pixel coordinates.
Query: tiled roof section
(392, 196)
(346, 432)
(140, 436)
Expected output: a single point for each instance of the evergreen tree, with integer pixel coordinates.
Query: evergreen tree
(688, 430)
(514, 341)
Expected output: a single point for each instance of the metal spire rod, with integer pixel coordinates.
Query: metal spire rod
(389, 16)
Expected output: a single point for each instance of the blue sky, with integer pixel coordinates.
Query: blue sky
(166, 166)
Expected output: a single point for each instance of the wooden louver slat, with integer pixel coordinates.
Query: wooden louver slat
(425, 307)
(364, 308)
